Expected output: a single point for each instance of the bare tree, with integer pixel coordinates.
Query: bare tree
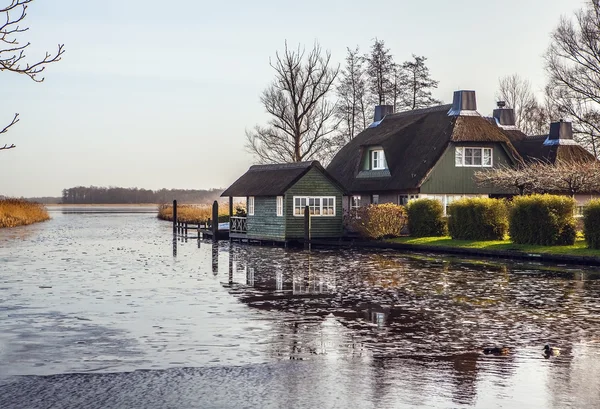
(531, 117)
(417, 84)
(351, 90)
(302, 120)
(380, 69)
(524, 179)
(573, 65)
(12, 50)
(573, 177)
(570, 177)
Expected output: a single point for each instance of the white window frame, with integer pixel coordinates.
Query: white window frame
(250, 205)
(374, 199)
(460, 156)
(378, 159)
(299, 207)
(355, 202)
(279, 206)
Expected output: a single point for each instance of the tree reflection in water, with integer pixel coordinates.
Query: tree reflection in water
(435, 313)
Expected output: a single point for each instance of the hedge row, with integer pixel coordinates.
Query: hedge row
(478, 219)
(591, 224)
(536, 219)
(426, 218)
(543, 220)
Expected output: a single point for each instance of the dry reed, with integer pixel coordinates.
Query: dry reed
(19, 212)
(191, 213)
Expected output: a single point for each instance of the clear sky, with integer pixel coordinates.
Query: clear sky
(158, 94)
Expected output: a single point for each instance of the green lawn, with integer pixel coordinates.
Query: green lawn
(578, 249)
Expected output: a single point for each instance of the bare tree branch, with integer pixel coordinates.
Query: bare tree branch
(573, 65)
(12, 51)
(302, 121)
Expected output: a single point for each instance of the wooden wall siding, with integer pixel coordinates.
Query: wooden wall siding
(265, 224)
(314, 183)
(447, 178)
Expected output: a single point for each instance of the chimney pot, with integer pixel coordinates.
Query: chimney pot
(561, 130)
(381, 111)
(464, 103)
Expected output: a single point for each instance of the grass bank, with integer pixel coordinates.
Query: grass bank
(192, 213)
(577, 249)
(18, 212)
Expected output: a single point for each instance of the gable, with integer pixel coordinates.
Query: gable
(447, 178)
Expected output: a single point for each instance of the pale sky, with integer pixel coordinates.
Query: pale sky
(158, 94)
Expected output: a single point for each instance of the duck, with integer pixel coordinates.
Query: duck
(551, 351)
(496, 351)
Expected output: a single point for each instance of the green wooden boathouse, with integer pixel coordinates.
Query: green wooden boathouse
(276, 196)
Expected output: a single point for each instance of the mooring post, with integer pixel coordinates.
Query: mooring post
(186, 229)
(215, 217)
(174, 217)
(306, 228)
(230, 214)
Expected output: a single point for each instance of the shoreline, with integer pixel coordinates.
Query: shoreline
(464, 251)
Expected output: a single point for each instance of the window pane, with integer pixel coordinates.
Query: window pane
(458, 159)
(487, 157)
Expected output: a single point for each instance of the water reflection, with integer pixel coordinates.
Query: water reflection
(439, 312)
(325, 328)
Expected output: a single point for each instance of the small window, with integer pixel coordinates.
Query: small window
(251, 206)
(299, 205)
(318, 206)
(355, 202)
(328, 206)
(375, 199)
(473, 157)
(279, 205)
(377, 159)
(314, 206)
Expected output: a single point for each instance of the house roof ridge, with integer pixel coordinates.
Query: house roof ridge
(435, 108)
(278, 166)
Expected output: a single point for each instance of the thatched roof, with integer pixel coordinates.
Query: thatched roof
(273, 180)
(532, 148)
(413, 142)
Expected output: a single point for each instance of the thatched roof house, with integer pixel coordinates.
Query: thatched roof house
(276, 196)
(426, 152)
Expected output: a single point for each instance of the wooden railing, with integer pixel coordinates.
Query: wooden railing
(238, 225)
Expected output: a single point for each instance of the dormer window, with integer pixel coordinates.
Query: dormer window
(378, 160)
(473, 157)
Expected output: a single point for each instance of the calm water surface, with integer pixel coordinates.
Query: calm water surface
(96, 311)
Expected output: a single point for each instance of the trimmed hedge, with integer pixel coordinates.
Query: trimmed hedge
(542, 220)
(591, 224)
(478, 219)
(377, 221)
(426, 218)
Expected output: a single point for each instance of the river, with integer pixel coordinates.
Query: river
(96, 311)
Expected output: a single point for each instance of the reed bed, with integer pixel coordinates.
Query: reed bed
(192, 213)
(19, 212)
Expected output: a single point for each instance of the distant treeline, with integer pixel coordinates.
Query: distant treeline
(120, 195)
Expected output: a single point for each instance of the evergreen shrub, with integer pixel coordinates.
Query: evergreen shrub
(426, 218)
(591, 224)
(478, 219)
(542, 220)
(377, 221)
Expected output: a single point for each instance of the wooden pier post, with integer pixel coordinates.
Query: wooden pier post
(306, 228)
(174, 217)
(215, 217)
(186, 229)
(230, 215)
